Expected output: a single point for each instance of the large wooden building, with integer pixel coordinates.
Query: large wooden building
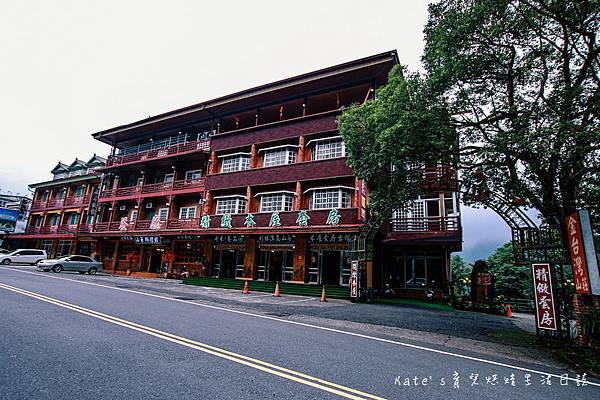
(255, 185)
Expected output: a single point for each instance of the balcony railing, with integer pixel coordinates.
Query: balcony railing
(425, 224)
(149, 152)
(77, 200)
(440, 178)
(160, 188)
(348, 216)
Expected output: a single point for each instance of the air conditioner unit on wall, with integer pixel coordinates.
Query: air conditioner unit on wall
(148, 205)
(122, 208)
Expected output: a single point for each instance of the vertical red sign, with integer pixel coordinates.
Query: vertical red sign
(544, 297)
(354, 279)
(578, 261)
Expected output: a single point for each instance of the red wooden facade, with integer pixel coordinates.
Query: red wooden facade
(255, 185)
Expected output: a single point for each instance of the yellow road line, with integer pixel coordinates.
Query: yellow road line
(273, 369)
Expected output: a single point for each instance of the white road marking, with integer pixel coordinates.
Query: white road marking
(323, 328)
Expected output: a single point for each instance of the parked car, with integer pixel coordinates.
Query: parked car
(81, 264)
(23, 256)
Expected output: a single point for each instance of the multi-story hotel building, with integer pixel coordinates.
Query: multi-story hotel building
(63, 209)
(255, 185)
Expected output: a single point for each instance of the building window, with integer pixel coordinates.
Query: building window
(329, 148)
(47, 245)
(163, 213)
(187, 212)
(55, 220)
(79, 191)
(193, 175)
(74, 219)
(235, 163)
(45, 196)
(279, 156)
(271, 202)
(330, 198)
(169, 178)
(63, 248)
(134, 215)
(231, 205)
(189, 252)
(61, 194)
(90, 219)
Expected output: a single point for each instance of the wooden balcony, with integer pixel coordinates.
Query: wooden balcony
(300, 171)
(348, 217)
(441, 178)
(425, 230)
(202, 145)
(65, 229)
(424, 224)
(154, 189)
(77, 201)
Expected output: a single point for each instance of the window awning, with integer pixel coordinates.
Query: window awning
(276, 192)
(323, 139)
(329, 187)
(283, 146)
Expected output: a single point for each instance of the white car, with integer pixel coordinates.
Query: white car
(23, 256)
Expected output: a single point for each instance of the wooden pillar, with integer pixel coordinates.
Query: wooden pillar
(298, 202)
(207, 203)
(116, 256)
(250, 258)
(113, 212)
(254, 159)
(301, 149)
(214, 163)
(53, 249)
(172, 259)
(208, 253)
(300, 254)
(249, 199)
(369, 274)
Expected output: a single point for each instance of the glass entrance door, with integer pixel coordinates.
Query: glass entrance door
(275, 265)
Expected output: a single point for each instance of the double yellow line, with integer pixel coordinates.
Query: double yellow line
(269, 368)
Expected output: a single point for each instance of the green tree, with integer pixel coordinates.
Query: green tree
(460, 269)
(388, 139)
(521, 82)
(513, 281)
(518, 81)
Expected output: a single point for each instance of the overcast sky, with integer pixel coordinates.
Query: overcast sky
(71, 68)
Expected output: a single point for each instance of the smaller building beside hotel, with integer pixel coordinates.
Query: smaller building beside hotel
(63, 209)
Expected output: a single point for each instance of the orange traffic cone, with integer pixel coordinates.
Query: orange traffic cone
(246, 291)
(277, 294)
(323, 297)
(508, 311)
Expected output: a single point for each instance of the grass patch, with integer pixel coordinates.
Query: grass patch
(414, 303)
(581, 360)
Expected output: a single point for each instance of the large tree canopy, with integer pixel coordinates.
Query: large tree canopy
(389, 138)
(519, 81)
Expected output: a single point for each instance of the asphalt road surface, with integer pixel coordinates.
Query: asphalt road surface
(64, 338)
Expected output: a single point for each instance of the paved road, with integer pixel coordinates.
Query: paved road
(63, 338)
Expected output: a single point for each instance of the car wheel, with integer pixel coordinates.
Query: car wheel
(57, 268)
(92, 271)
(6, 261)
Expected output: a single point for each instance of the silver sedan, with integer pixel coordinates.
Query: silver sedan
(81, 264)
